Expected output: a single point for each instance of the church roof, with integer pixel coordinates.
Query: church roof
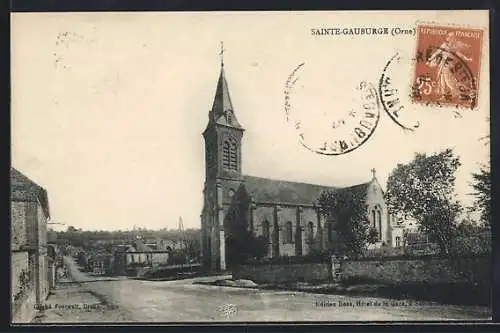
(24, 189)
(265, 190)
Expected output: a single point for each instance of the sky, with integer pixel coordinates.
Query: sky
(108, 108)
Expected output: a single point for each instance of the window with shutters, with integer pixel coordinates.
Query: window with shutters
(233, 158)
(230, 155)
(225, 154)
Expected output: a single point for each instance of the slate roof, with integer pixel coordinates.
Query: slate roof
(222, 105)
(141, 247)
(24, 189)
(265, 190)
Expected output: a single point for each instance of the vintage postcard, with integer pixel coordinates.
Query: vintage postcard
(215, 167)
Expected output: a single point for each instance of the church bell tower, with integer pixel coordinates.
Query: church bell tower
(222, 136)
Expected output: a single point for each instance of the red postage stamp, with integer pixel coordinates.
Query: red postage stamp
(448, 63)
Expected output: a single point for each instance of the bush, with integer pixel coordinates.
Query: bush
(414, 250)
(479, 244)
(476, 245)
(384, 252)
(243, 246)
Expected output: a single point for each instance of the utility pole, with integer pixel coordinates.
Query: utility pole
(181, 231)
(182, 238)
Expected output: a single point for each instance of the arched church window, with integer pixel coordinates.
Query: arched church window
(310, 231)
(288, 232)
(276, 234)
(226, 146)
(379, 224)
(373, 218)
(265, 230)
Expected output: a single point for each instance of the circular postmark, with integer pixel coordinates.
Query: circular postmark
(328, 129)
(393, 95)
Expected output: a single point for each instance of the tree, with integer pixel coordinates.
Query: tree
(481, 183)
(372, 237)
(348, 212)
(243, 245)
(71, 229)
(424, 190)
(467, 228)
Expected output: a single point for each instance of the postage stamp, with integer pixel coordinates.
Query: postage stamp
(448, 62)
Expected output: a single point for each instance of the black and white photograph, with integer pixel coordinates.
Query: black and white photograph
(250, 167)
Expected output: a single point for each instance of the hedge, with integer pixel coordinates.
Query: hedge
(470, 246)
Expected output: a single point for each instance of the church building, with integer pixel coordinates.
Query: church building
(283, 212)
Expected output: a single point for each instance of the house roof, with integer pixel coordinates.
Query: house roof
(141, 247)
(24, 189)
(267, 190)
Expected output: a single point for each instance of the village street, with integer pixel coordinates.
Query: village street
(128, 300)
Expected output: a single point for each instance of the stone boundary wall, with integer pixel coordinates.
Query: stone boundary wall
(422, 270)
(276, 273)
(432, 270)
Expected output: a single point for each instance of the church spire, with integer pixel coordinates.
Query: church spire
(222, 100)
(222, 109)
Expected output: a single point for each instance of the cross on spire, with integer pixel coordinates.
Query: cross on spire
(373, 172)
(221, 53)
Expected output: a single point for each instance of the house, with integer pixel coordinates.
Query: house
(138, 254)
(174, 245)
(101, 263)
(29, 247)
(285, 213)
(82, 259)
